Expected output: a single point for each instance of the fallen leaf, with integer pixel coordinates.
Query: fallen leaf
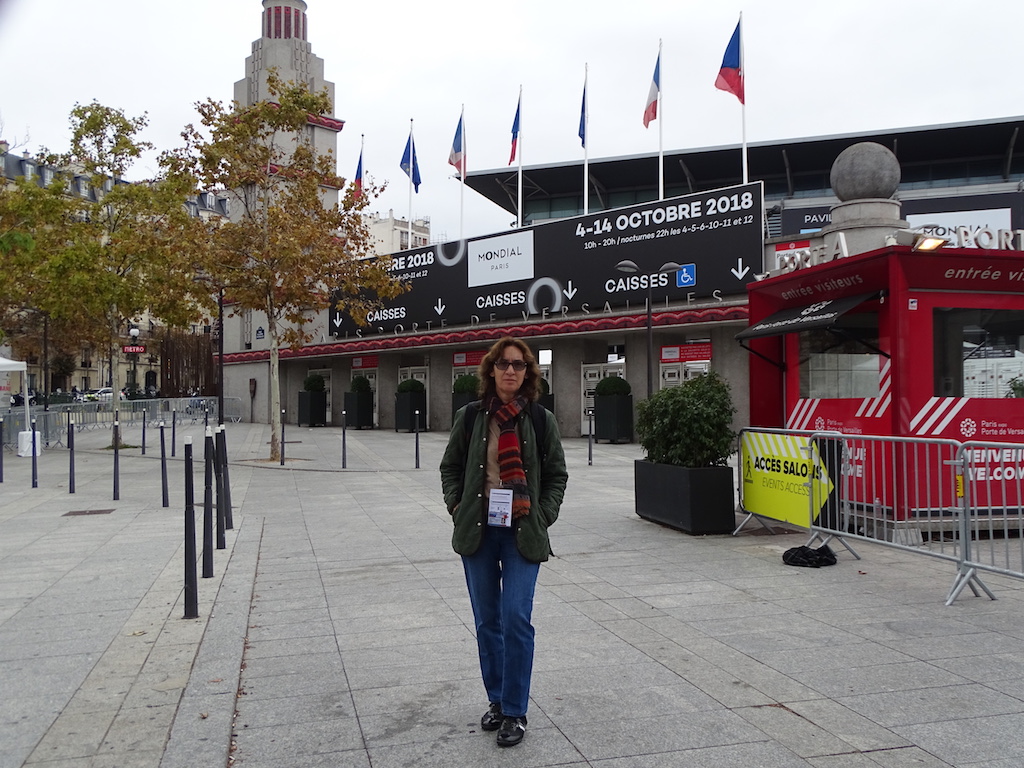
(203, 715)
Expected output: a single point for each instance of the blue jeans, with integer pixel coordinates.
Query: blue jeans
(501, 586)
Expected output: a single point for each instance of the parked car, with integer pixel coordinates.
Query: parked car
(106, 394)
(18, 400)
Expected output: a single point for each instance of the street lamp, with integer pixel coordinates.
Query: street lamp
(630, 267)
(134, 333)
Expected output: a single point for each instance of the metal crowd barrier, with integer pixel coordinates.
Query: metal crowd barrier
(891, 490)
(52, 423)
(992, 527)
(962, 503)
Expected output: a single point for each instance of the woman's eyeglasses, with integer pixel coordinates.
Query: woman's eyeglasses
(517, 365)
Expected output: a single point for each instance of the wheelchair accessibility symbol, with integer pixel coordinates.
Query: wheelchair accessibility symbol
(686, 276)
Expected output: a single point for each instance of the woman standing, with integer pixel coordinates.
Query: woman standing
(503, 483)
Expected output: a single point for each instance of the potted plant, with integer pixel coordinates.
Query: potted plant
(613, 410)
(313, 401)
(410, 398)
(465, 389)
(685, 481)
(546, 398)
(359, 403)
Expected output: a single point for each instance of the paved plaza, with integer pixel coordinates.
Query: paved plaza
(336, 630)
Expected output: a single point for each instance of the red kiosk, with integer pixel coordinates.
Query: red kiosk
(892, 342)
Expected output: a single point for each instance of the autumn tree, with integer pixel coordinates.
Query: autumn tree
(81, 261)
(134, 246)
(285, 249)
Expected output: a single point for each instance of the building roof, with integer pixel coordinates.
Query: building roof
(938, 155)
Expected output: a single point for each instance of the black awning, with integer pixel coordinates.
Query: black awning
(820, 314)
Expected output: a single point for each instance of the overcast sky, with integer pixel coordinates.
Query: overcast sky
(813, 68)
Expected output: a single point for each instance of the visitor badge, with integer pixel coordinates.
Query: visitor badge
(499, 509)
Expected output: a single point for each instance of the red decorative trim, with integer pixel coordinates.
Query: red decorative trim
(477, 335)
(330, 123)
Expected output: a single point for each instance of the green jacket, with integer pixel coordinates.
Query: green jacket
(465, 500)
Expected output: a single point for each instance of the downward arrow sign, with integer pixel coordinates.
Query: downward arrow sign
(740, 270)
(337, 320)
(570, 291)
(439, 307)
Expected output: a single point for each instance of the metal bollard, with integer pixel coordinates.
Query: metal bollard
(117, 459)
(1, 449)
(590, 436)
(416, 429)
(218, 479)
(71, 454)
(143, 433)
(163, 464)
(282, 437)
(191, 582)
(208, 506)
(344, 457)
(222, 453)
(35, 464)
(174, 430)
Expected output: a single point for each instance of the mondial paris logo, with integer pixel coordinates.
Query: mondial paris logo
(502, 259)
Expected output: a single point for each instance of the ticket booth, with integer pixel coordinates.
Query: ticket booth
(892, 342)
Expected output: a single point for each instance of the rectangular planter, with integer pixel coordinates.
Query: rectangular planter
(613, 418)
(461, 400)
(693, 500)
(406, 405)
(312, 409)
(359, 410)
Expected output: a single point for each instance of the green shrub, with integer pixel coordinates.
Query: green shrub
(466, 384)
(359, 384)
(411, 385)
(612, 385)
(314, 383)
(689, 425)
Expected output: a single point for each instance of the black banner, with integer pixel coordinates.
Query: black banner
(690, 248)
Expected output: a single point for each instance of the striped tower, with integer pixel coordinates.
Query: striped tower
(283, 45)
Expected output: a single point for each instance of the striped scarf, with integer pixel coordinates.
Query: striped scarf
(510, 459)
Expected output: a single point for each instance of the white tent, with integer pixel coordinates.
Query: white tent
(19, 365)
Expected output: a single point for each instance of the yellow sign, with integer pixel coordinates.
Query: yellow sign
(783, 477)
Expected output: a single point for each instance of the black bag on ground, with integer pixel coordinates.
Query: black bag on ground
(808, 557)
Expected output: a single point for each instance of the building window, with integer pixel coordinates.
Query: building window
(841, 361)
(247, 329)
(978, 352)
(287, 22)
(277, 21)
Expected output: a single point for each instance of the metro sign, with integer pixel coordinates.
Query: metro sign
(133, 349)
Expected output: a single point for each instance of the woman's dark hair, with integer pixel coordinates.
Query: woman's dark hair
(531, 384)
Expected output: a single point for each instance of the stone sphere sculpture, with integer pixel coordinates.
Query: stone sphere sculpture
(865, 170)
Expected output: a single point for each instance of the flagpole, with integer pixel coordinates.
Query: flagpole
(661, 116)
(462, 175)
(412, 165)
(743, 102)
(519, 185)
(586, 130)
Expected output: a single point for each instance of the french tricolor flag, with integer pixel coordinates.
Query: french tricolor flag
(457, 157)
(358, 182)
(730, 76)
(515, 129)
(651, 111)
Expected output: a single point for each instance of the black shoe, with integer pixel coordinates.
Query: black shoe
(511, 731)
(491, 720)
